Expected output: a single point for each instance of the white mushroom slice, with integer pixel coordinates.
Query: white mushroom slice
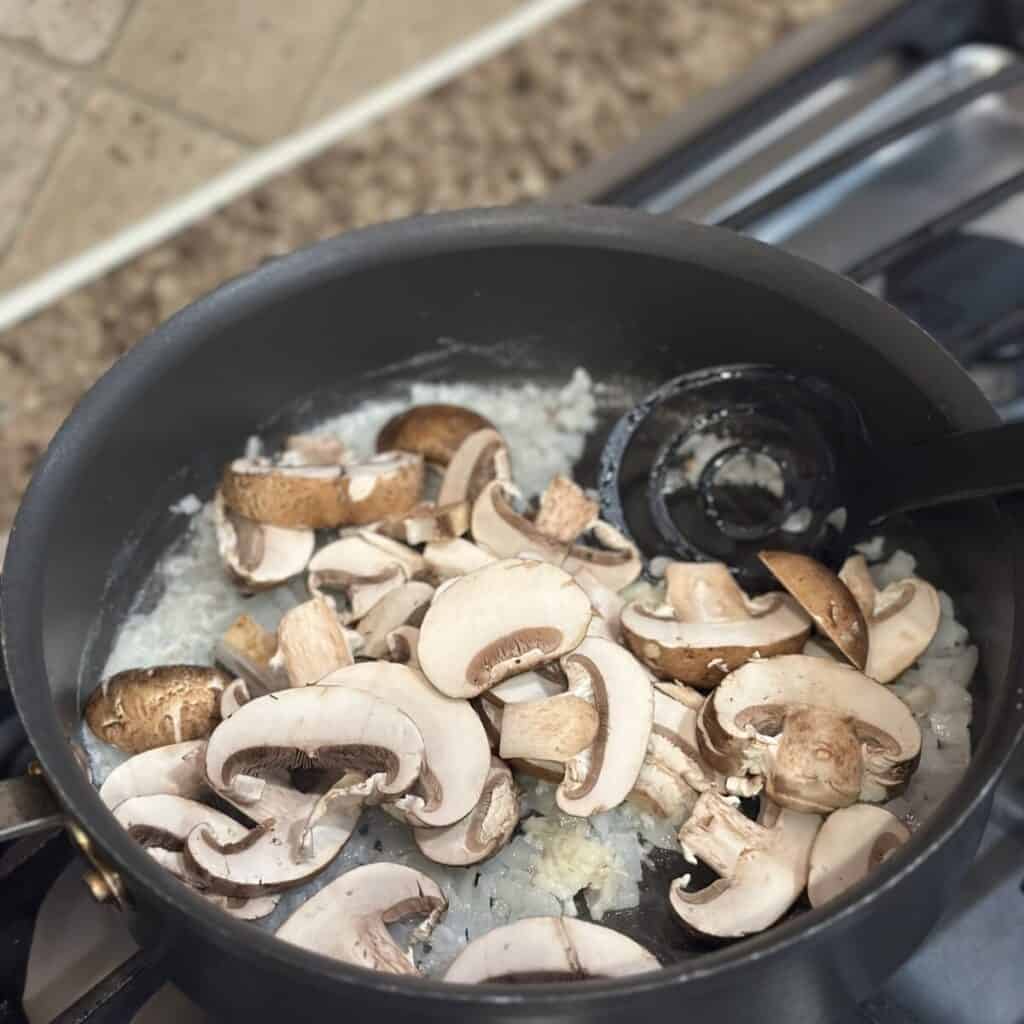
(499, 621)
(259, 555)
(611, 559)
(316, 450)
(364, 749)
(824, 596)
(247, 650)
(565, 510)
(822, 734)
(502, 530)
(403, 646)
(347, 920)
(479, 459)
(456, 754)
(482, 832)
(363, 568)
(607, 603)
(672, 775)
(161, 823)
(902, 619)
(177, 769)
(311, 643)
(450, 558)
(762, 865)
(300, 496)
(404, 606)
(142, 708)
(851, 844)
(712, 627)
(427, 522)
(601, 776)
(539, 949)
(534, 685)
(235, 694)
(435, 431)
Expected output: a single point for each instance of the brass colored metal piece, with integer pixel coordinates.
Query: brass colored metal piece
(102, 881)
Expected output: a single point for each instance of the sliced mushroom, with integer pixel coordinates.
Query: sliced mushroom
(403, 646)
(259, 555)
(851, 844)
(606, 603)
(534, 685)
(711, 627)
(363, 748)
(607, 555)
(482, 832)
(565, 510)
(824, 596)
(177, 769)
(762, 865)
(426, 522)
(143, 708)
(347, 920)
(501, 530)
(300, 496)
(450, 558)
(821, 734)
(434, 431)
(404, 606)
(672, 775)
(311, 643)
(499, 621)
(456, 754)
(161, 823)
(902, 619)
(601, 776)
(247, 650)
(363, 568)
(316, 450)
(235, 695)
(538, 949)
(479, 459)
(555, 729)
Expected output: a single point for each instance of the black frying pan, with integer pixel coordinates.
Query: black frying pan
(508, 294)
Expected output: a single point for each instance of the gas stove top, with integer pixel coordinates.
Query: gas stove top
(904, 171)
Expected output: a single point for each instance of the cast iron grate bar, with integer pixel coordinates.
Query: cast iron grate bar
(857, 152)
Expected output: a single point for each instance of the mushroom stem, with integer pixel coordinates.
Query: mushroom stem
(554, 729)
(311, 643)
(704, 592)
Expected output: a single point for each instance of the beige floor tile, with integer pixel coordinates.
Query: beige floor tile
(389, 37)
(36, 111)
(245, 65)
(122, 161)
(76, 31)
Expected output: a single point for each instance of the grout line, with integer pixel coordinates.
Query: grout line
(274, 159)
(343, 29)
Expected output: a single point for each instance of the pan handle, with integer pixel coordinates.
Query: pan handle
(27, 806)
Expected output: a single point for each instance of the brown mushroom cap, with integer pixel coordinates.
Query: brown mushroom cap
(143, 708)
(762, 865)
(347, 920)
(824, 596)
(901, 620)
(434, 431)
(549, 949)
(822, 734)
(498, 621)
(482, 832)
(300, 496)
(713, 627)
(481, 458)
(851, 844)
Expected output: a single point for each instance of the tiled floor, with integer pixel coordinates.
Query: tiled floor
(109, 109)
